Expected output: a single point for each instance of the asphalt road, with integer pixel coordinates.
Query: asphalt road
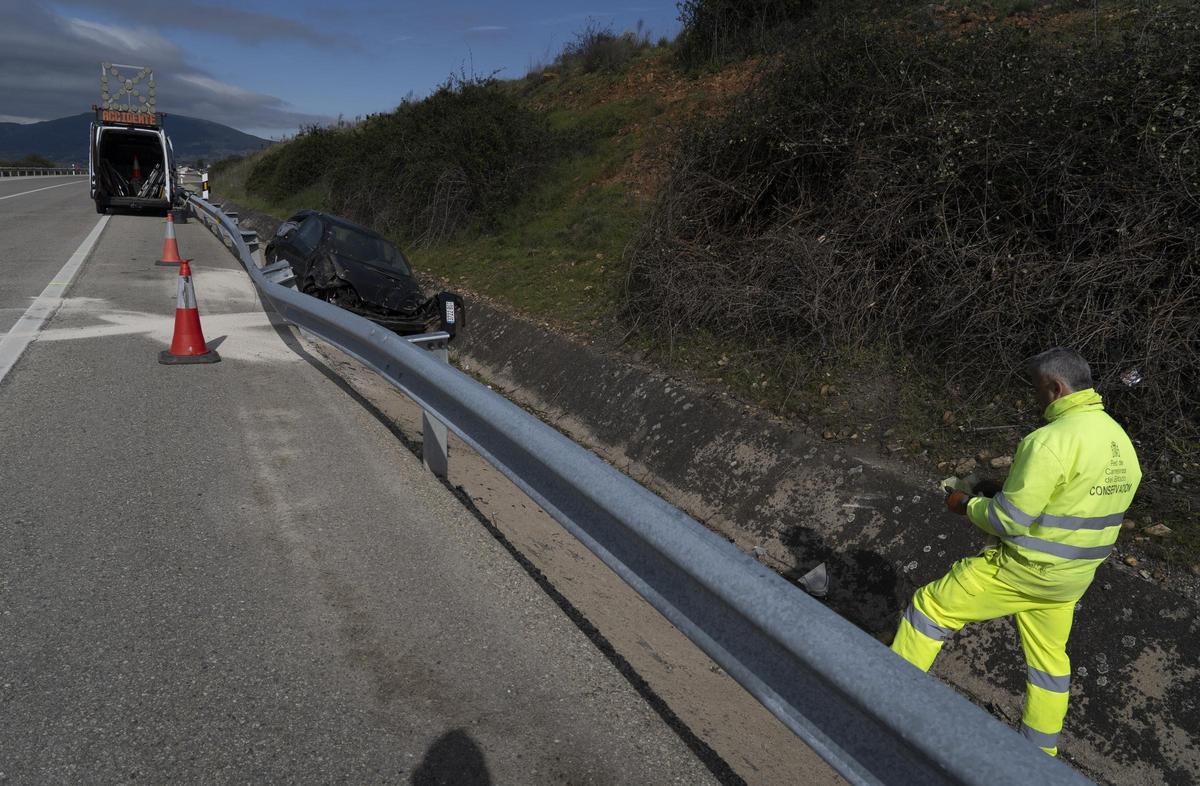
(38, 232)
(234, 573)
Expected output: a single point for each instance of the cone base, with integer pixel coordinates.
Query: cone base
(167, 359)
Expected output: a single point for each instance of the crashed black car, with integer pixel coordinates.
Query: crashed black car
(360, 271)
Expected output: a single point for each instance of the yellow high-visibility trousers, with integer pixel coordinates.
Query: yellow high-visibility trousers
(973, 591)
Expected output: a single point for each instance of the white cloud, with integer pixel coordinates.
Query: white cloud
(49, 67)
(146, 43)
(238, 23)
(217, 87)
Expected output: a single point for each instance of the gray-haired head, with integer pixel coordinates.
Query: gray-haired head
(1062, 364)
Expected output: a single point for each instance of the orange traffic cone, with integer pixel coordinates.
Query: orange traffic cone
(137, 168)
(187, 345)
(170, 252)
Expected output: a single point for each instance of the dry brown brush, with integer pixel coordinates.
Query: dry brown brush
(964, 202)
(718, 31)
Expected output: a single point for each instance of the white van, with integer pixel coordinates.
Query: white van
(131, 162)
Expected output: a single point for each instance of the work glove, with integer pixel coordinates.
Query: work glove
(956, 501)
(987, 488)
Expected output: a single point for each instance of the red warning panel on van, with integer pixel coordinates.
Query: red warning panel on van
(130, 118)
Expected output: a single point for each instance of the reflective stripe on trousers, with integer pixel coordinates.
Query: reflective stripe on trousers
(928, 627)
(1050, 682)
(1041, 739)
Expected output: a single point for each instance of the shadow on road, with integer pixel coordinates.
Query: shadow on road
(453, 759)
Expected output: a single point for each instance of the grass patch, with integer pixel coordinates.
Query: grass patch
(556, 254)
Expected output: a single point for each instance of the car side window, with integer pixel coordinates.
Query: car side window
(308, 236)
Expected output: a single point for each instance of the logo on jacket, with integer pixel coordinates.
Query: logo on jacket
(1116, 450)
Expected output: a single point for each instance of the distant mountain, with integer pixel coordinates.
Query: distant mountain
(65, 140)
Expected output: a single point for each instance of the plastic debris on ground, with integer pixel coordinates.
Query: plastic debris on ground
(816, 581)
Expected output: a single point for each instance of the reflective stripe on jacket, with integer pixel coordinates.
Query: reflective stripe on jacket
(1065, 498)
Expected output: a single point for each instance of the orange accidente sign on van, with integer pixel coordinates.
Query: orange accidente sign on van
(123, 116)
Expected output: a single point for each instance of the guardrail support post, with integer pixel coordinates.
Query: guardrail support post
(435, 448)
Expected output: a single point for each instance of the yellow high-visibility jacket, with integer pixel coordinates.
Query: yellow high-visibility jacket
(1065, 498)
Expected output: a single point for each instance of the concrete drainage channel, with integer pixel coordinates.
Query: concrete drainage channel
(796, 503)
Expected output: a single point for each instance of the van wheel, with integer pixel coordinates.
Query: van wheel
(101, 207)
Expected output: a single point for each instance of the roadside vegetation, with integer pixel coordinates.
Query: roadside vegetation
(859, 215)
(32, 160)
(426, 171)
(964, 200)
(716, 32)
(597, 48)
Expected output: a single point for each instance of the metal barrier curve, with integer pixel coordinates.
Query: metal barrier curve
(872, 716)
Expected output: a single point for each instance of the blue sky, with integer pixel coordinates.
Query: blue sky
(265, 67)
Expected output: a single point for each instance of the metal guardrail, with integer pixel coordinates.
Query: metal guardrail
(29, 171)
(872, 716)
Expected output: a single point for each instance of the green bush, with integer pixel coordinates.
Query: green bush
(966, 201)
(427, 170)
(287, 169)
(598, 48)
(217, 167)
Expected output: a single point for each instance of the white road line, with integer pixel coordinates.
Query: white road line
(45, 188)
(13, 343)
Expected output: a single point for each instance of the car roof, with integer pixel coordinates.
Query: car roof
(340, 222)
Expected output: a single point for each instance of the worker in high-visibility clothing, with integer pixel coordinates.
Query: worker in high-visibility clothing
(1055, 521)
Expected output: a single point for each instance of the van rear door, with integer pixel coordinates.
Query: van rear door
(93, 136)
(169, 150)
(132, 168)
